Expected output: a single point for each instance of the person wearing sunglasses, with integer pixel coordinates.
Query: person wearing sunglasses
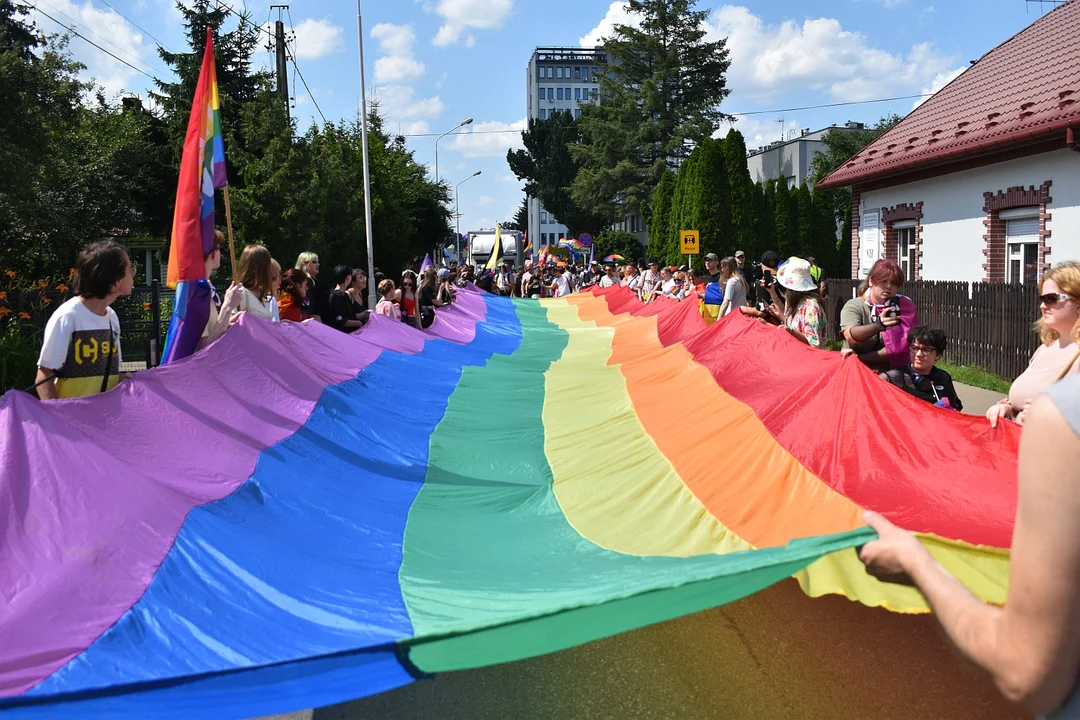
(1058, 355)
(405, 297)
(921, 378)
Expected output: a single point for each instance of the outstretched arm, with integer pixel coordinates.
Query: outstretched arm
(1030, 647)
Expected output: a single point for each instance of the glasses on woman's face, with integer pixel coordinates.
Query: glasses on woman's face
(922, 350)
(1054, 298)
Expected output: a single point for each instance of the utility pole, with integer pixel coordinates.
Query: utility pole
(281, 59)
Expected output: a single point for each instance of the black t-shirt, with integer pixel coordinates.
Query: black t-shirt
(340, 310)
(931, 388)
(427, 296)
(712, 278)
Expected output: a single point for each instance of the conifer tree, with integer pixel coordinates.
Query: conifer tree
(660, 94)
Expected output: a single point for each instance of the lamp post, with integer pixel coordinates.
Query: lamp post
(463, 123)
(367, 166)
(457, 214)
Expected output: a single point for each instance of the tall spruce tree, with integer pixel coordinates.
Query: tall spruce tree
(744, 206)
(660, 220)
(784, 218)
(237, 84)
(806, 241)
(769, 239)
(685, 205)
(660, 95)
(714, 200)
(548, 170)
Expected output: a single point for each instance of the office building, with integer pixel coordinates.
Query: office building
(564, 79)
(791, 158)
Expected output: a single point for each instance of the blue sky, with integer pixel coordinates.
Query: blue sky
(433, 63)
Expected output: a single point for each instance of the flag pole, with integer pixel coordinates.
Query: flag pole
(228, 227)
(367, 167)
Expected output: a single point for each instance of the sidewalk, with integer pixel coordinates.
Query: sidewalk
(976, 400)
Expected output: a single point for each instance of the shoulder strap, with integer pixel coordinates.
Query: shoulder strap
(108, 361)
(1068, 366)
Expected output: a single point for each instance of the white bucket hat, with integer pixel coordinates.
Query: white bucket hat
(795, 275)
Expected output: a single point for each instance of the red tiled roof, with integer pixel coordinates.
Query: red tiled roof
(1024, 91)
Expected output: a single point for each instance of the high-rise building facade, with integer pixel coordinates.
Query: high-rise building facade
(558, 79)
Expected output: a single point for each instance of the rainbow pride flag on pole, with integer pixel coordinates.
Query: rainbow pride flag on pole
(202, 171)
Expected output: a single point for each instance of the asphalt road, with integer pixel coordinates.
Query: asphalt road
(777, 655)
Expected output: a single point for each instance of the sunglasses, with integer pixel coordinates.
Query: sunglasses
(1054, 298)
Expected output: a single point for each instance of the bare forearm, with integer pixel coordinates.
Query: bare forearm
(861, 333)
(976, 629)
(47, 389)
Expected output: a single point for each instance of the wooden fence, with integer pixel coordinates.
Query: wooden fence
(988, 324)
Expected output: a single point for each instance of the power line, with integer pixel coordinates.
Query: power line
(311, 95)
(829, 105)
(77, 34)
(103, 39)
(738, 114)
(137, 26)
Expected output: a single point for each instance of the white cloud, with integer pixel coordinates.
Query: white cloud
(398, 62)
(819, 54)
(940, 80)
(110, 30)
(488, 139)
(485, 200)
(459, 16)
(399, 103)
(616, 15)
(316, 38)
(768, 61)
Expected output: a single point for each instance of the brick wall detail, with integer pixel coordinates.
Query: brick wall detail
(994, 249)
(904, 211)
(856, 219)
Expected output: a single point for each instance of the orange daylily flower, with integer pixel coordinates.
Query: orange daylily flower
(146, 306)
(3, 295)
(46, 301)
(10, 273)
(5, 311)
(22, 315)
(62, 287)
(43, 284)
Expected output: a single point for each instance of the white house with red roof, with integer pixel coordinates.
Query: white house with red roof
(982, 181)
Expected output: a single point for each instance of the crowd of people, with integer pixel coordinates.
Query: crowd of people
(81, 352)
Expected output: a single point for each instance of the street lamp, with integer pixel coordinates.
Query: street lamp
(463, 123)
(457, 215)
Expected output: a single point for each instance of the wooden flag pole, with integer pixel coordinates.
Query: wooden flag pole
(228, 226)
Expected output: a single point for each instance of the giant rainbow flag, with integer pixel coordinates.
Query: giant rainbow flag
(294, 517)
(202, 170)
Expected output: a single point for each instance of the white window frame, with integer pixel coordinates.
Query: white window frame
(1017, 245)
(905, 243)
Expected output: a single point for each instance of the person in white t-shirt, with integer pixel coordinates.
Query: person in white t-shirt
(651, 281)
(668, 286)
(560, 285)
(256, 275)
(633, 279)
(610, 279)
(81, 352)
(220, 310)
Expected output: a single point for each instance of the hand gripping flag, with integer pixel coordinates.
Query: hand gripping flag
(202, 170)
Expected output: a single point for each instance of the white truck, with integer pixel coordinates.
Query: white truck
(480, 242)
